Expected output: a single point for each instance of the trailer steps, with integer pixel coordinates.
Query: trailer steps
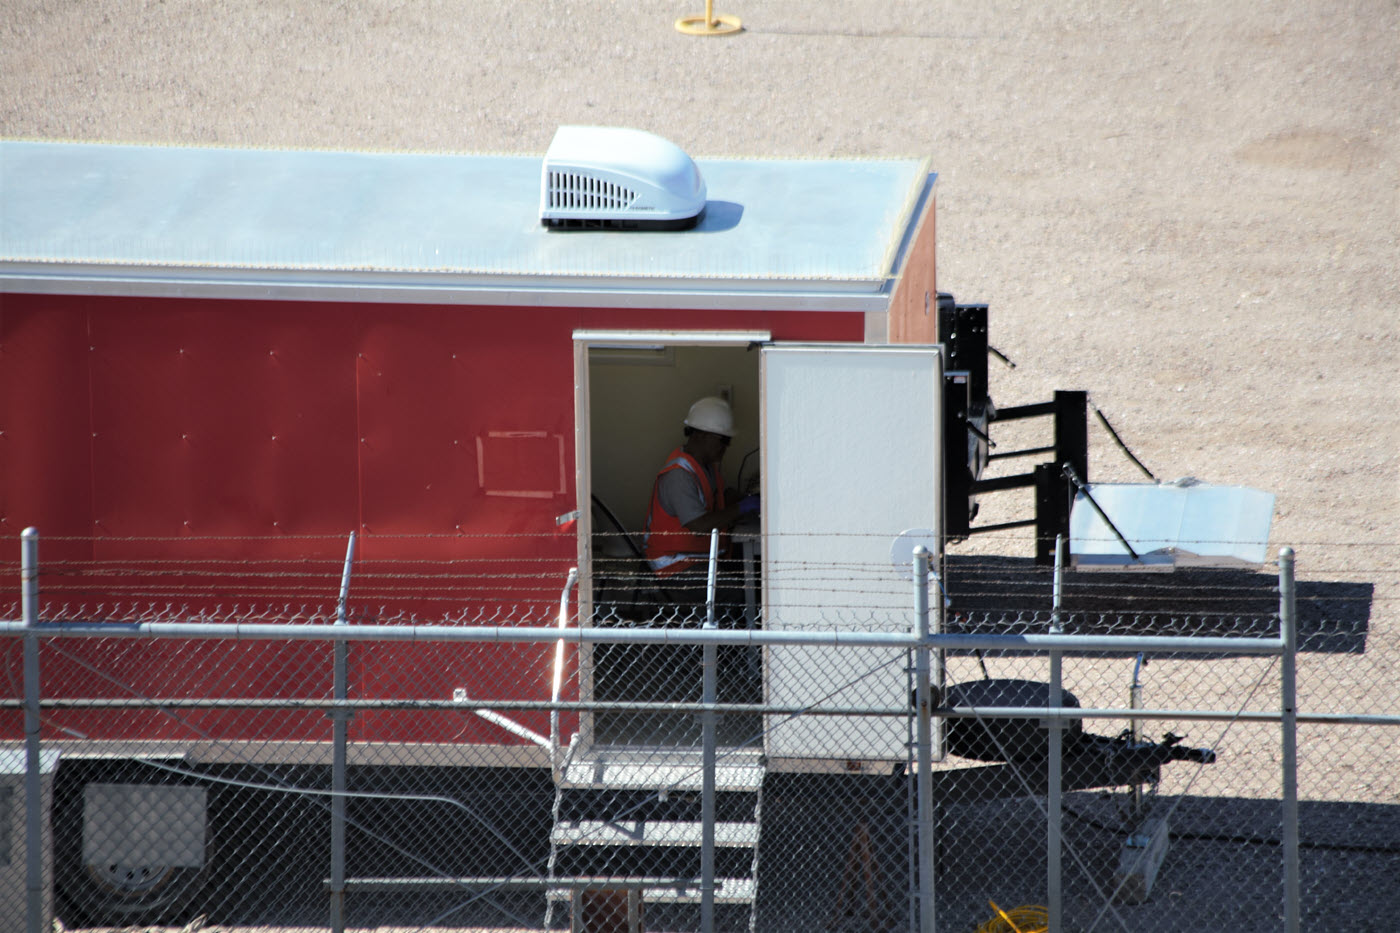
(736, 891)
(437, 884)
(683, 775)
(652, 833)
(630, 819)
(654, 889)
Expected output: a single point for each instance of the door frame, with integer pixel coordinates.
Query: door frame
(586, 340)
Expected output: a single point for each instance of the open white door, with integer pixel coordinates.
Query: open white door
(850, 461)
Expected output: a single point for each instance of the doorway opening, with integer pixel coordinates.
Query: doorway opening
(634, 392)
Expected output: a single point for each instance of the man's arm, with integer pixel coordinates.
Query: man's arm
(681, 497)
(706, 522)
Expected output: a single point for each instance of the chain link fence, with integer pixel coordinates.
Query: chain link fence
(621, 756)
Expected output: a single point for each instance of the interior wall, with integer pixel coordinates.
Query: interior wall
(638, 400)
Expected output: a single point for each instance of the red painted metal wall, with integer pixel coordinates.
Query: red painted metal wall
(164, 431)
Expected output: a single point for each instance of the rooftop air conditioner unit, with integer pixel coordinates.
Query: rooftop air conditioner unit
(615, 178)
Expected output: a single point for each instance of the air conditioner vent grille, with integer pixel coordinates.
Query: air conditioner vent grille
(574, 191)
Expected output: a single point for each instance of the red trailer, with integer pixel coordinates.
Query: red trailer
(224, 359)
(219, 365)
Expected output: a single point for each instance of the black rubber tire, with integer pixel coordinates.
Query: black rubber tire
(112, 896)
(1004, 739)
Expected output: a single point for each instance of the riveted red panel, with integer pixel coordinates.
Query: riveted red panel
(45, 460)
(178, 430)
(232, 419)
(440, 388)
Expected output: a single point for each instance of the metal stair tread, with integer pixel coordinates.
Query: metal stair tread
(604, 774)
(658, 890)
(652, 833)
(392, 883)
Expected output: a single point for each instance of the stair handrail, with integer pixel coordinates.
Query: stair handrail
(557, 679)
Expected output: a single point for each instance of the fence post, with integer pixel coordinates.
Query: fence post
(923, 697)
(33, 770)
(707, 726)
(1288, 619)
(1054, 795)
(340, 719)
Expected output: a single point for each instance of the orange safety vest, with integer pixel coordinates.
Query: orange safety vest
(670, 546)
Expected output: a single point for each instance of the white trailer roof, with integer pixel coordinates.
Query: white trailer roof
(100, 218)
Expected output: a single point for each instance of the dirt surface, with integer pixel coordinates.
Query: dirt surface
(1188, 209)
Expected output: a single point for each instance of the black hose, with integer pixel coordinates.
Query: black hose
(1122, 446)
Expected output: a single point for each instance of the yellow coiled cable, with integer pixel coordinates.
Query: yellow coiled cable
(1031, 918)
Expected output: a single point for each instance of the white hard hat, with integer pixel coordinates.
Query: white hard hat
(711, 414)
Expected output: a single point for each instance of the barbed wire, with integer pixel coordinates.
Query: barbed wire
(556, 535)
(851, 620)
(831, 591)
(776, 575)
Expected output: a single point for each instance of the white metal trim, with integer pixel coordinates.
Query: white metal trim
(436, 288)
(694, 338)
(583, 528)
(917, 212)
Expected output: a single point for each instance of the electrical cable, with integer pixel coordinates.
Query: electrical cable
(283, 787)
(1001, 356)
(1103, 419)
(1029, 918)
(739, 477)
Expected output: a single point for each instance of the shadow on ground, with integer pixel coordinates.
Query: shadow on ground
(1003, 594)
(836, 854)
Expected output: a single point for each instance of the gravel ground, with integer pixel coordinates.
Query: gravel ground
(1188, 209)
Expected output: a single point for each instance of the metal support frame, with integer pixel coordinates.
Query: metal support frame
(340, 730)
(1052, 498)
(33, 765)
(923, 696)
(708, 698)
(556, 681)
(1069, 412)
(1081, 486)
(1054, 764)
(532, 634)
(924, 640)
(1135, 728)
(1072, 431)
(1288, 620)
(962, 329)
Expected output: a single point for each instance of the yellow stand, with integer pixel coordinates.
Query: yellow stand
(709, 24)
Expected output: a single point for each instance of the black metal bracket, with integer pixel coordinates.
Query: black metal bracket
(1054, 491)
(967, 445)
(962, 330)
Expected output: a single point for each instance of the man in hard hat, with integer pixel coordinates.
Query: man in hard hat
(688, 499)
